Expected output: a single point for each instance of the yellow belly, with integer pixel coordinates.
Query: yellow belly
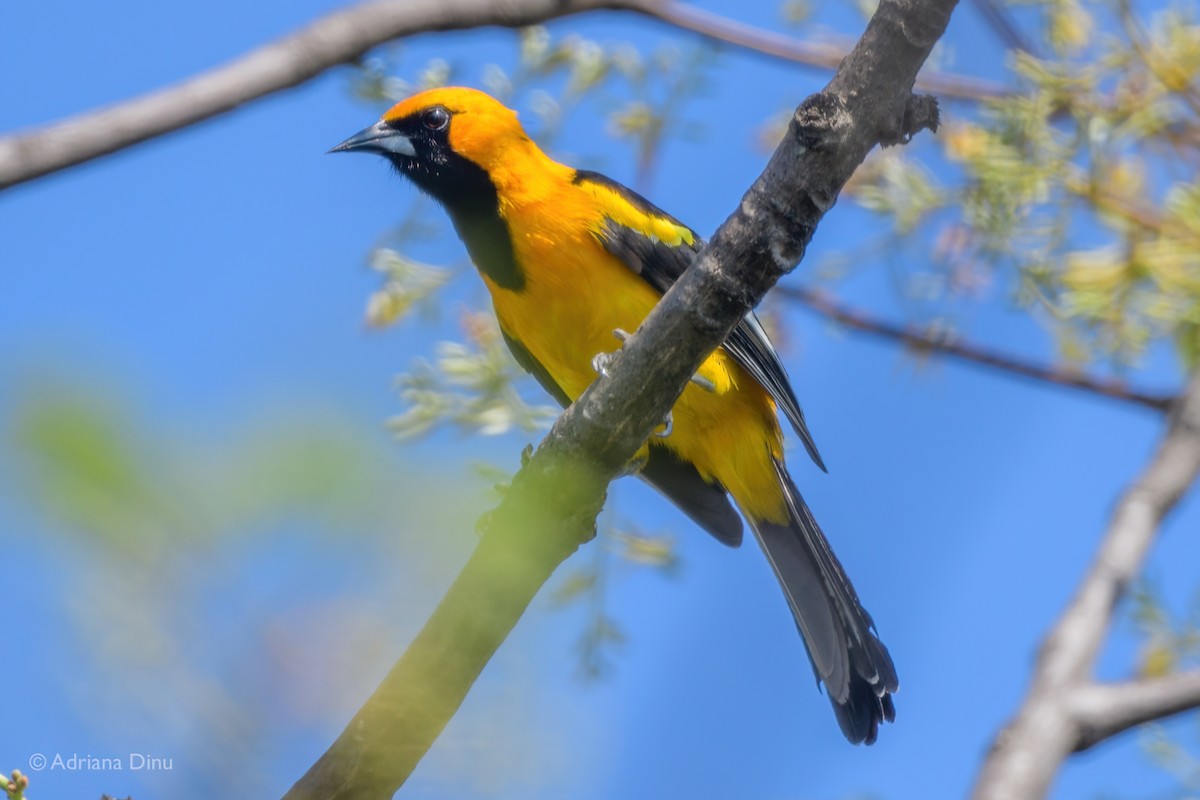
(575, 295)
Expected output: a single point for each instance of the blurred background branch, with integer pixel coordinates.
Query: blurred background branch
(1054, 719)
(929, 341)
(344, 37)
(1105, 710)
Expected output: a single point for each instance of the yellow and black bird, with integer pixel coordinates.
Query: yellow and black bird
(571, 259)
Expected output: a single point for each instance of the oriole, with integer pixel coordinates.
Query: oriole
(572, 258)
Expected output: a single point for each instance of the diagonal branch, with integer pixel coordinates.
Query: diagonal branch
(1104, 710)
(345, 36)
(1047, 729)
(338, 38)
(923, 341)
(551, 506)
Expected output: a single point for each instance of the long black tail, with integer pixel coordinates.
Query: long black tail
(846, 655)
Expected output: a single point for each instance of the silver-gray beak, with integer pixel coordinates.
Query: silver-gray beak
(379, 138)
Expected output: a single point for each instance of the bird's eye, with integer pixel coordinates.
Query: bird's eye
(436, 118)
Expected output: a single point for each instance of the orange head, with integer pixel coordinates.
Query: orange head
(446, 140)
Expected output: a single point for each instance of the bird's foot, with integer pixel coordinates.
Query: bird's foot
(602, 361)
(668, 426)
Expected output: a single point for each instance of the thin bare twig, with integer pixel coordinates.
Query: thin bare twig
(1058, 715)
(924, 341)
(823, 55)
(1002, 23)
(1149, 219)
(345, 36)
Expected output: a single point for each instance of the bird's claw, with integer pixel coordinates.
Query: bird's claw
(704, 383)
(602, 361)
(668, 426)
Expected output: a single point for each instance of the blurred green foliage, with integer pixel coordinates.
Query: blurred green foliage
(472, 385)
(93, 464)
(159, 531)
(1077, 189)
(1174, 758)
(1170, 644)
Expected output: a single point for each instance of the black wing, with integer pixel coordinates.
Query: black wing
(660, 264)
(706, 503)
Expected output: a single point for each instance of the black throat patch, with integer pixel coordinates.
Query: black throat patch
(474, 209)
(469, 196)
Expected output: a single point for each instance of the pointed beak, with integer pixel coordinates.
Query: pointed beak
(380, 138)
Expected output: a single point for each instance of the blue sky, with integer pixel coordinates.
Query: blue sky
(211, 283)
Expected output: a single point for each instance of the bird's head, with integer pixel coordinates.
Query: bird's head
(443, 138)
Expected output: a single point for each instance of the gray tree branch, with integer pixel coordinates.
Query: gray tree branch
(1104, 710)
(1048, 727)
(820, 54)
(338, 38)
(346, 35)
(550, 508)
(924, 341)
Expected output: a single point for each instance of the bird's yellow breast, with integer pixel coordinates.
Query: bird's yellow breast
(576, 294)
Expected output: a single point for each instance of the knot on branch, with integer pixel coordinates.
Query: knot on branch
(794, 219)
(820, 121)
(921, 23)
(920, 112)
